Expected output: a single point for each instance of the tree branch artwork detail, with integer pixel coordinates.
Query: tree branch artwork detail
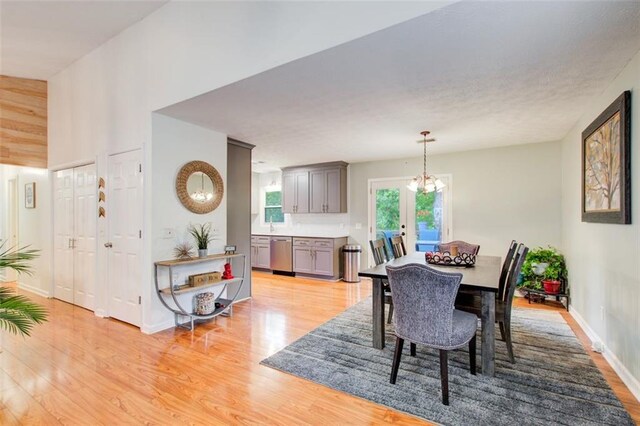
(602, 167)
(606, 165)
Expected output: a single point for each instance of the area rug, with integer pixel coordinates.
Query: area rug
(553, 381)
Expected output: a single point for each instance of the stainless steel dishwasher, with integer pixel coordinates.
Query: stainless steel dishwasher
(281, 255)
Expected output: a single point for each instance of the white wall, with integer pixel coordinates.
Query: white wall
(498, 194)
(603, 259)
(175, 143)
(34, 225)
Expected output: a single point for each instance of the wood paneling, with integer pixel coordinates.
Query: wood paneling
(81, 369)
(23, 122)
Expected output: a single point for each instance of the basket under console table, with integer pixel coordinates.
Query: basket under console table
(169, 295)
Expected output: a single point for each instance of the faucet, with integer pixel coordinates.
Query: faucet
(271, 227)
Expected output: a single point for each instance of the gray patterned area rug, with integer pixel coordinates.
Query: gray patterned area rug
(553, 381)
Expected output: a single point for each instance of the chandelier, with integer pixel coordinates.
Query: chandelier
(199, 195)
(425, 183)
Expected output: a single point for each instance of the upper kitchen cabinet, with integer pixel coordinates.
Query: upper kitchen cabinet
(316, 188)
(295, 191)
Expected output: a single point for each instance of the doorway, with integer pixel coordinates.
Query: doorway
(12, 225)
(424, 220)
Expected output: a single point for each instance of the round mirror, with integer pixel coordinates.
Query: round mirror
(199, 187)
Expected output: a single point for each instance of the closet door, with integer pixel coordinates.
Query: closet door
(84, 227)
(125, 236)
(63, 235)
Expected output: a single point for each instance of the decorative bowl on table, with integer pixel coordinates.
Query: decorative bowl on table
(447, 259)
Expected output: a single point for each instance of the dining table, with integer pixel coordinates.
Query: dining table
(482, 277)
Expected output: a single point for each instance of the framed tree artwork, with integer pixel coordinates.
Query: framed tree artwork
(606, 165)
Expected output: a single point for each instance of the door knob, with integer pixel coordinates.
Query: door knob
(108, 245)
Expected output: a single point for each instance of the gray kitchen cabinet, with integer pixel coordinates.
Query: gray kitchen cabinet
(260, 252)
(302, 260)
(318, 256)
(295, 191)
(328, 190)
(315, 188)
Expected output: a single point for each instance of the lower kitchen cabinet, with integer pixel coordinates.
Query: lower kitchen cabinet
(318, 256)
(260, 252)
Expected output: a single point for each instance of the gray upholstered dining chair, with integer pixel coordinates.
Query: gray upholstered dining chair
(380, 256)
(424, 314)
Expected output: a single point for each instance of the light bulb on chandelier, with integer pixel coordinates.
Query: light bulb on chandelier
(426, 183)
(200, 195)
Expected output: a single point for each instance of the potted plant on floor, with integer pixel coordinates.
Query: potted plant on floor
(202, 235)
(544, 269)
(17, 313)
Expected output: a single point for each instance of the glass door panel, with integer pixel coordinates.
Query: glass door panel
(422, 219)
(388, 210)
(428, 220)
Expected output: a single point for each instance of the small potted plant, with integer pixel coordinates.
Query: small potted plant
(202, 235)
(544, 269)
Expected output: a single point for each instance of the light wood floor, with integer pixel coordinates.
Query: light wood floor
(80, 369)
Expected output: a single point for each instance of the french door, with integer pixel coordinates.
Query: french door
(74, 227)
(422, 219)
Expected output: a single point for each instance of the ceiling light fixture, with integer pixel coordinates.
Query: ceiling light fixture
(273, 186)
(425, 183)
(200, 195)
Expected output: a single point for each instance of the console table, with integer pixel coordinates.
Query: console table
(169, 295)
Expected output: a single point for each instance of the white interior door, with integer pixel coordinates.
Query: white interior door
(12, 217)
(84, 240)
(63, 235)
(124, 213)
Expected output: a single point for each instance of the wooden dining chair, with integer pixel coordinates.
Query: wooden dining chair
(506, 267)
(503, 305)
(463, 247)
(397, 246)
(465, 295)
(425, 315)
(380, 256)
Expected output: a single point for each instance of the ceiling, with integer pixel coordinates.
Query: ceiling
(40, 38)
(477, 74)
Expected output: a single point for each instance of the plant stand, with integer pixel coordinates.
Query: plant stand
(529, 292)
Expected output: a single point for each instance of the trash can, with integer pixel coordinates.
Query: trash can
(351, 253)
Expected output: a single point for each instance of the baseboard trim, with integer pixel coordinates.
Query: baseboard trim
(627, 378)
(101, 313)
(150, 329)
(35, 290)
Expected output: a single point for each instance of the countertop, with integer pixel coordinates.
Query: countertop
(303, 234)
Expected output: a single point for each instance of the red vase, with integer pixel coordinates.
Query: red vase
(551, 286)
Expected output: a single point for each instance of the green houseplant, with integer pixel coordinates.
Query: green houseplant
(202, 234)
(544, 265)
(17, 313)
